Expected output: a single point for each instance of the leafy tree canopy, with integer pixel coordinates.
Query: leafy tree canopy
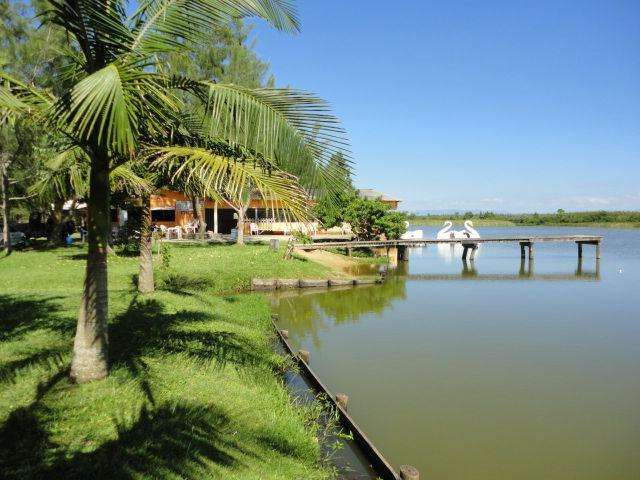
(371, 218)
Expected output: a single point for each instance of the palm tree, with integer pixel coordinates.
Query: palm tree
(116, 99)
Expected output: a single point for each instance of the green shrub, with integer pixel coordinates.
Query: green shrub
(165, 252)
(371, 218)
(393, 224)
(300, 237)
(330, 211)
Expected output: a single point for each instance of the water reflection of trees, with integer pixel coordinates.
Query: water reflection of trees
(308, 312)
(348, 305)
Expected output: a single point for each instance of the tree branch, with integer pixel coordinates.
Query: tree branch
(13, 199)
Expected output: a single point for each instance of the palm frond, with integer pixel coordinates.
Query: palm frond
(230, 178)
(293, 130)
(99, 103)
(20, 98)
(64, 175)
(109, 106)
(165, 25)
(99, 27)
(123, 178)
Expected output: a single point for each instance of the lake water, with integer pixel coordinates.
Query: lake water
(491, 370)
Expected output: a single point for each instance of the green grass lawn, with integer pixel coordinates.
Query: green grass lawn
(194, 390)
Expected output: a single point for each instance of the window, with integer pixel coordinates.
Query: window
(164, 215)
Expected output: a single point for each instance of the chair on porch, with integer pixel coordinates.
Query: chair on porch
(192, 227)
(177, 231)
(253, 229)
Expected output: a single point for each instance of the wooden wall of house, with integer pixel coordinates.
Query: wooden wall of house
(168, 199)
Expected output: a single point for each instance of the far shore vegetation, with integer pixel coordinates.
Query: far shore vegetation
(600, 218)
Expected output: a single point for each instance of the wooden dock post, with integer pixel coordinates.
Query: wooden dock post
(596, 242)
(579, 267)
(469, 246)
(342, 400)
(304, 356)
(522, 245)
(408, 472)
(530, 250)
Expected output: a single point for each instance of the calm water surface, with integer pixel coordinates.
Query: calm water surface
(492, 370)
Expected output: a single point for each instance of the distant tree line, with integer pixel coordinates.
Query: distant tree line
(559, 218)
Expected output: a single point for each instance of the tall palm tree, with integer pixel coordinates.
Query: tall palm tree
(117, 99)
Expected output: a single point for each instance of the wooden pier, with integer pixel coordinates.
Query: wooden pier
(469, 245)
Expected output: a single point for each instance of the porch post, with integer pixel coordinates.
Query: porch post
(255, 213)
(215, 217)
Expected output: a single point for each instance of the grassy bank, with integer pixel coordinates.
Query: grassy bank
(193, 390)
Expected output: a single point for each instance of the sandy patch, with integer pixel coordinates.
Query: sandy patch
(338, 263)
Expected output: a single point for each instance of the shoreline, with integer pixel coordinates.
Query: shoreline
(479, 222)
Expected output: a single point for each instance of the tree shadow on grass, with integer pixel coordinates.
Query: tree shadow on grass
(159, 440)
(52, 356)
(281, 443)
(182, 284)
(19, 315)
(145, 329)
(75, 256)
(172, 439)
(178, 440)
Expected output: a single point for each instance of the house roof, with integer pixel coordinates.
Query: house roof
(371, 194)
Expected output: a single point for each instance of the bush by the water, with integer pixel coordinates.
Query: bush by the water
(370, 219)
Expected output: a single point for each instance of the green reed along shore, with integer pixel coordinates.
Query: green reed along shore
(194, 392)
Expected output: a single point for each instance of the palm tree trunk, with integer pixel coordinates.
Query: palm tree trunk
(6, 237)
(195, 208)
(56, 216)
(202, 226)
(145, 275)
(240, 227)
(90, 347)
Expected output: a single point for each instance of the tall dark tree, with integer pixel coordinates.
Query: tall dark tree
(28, 51)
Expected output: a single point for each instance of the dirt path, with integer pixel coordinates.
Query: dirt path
(338, 263)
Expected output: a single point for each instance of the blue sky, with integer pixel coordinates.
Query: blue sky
(503, 106)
